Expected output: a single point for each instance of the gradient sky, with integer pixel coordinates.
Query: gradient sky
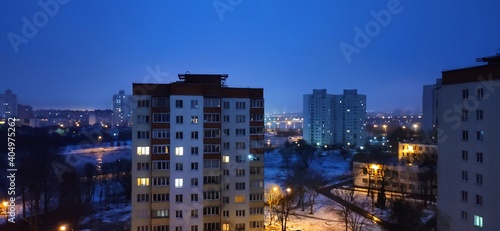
(89, 50)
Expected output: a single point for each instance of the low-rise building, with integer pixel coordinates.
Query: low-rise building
(414, 153)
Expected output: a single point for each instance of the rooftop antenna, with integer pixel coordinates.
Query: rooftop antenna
(188, 73)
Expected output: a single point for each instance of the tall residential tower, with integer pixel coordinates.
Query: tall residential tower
(334, 119)
(122, 109)
(197, 155)
(8, 104)
(468, 166)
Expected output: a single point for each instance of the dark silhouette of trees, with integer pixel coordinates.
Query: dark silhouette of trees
(287, 153)
(89, 172)
(351, 219)
(285, 208)
(296, 178)
(427, 176)
(313, 182)
(305, 152)
(405, 215)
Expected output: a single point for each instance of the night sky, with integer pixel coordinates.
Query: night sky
(83, 52)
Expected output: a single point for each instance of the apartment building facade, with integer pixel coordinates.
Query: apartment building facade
(197, 155)
(334, 119)
(468, 166)
(121, 109)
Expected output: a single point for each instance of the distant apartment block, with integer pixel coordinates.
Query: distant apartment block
(334, 119)
(25, 114)
(198, 149)
(68, 118)
(8, 104)
(429, 106)
(122, 109)
(468, 147)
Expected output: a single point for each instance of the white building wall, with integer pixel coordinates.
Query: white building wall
(186, 127)
(451, 164)
(232, 179)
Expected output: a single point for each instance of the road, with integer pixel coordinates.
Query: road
(326, 191)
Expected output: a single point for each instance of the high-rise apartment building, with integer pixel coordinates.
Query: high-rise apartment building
(429, 106)
(468, 166)
(334, 119)
(318, 117)
(197, 155)
(121, 109)
(8, 104)
(350, 118)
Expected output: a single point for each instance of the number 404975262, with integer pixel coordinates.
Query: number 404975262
(11, 141)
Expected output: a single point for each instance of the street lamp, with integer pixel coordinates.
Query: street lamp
(274, 198)
(4, 209)
(374, 168)
(415, 126)
(64, 228)
(385, 129)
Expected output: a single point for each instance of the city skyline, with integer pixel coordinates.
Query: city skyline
(287, 49)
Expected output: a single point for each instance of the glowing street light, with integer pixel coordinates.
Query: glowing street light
(64, 228)
(415, 126)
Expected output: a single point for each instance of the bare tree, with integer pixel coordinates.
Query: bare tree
(427, 177)
(286, 154)
(351, 219)
(285, 207)
(296, 178)
(314, 181)
(305, 152)
(272, 195)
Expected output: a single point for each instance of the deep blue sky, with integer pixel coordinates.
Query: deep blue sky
(90, 50)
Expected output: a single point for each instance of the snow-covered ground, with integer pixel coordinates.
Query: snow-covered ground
(323, 218)
(117, 216)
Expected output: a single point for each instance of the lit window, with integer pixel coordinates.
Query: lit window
(179, 182)
(225, 159)
(142, 150)
(239, 199)
(142, 181)
(179, 151)
(478, 221)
